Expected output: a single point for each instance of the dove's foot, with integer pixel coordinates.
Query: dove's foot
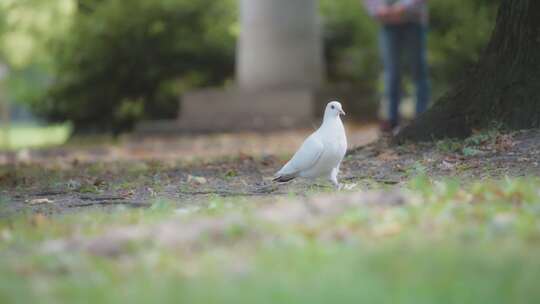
(340, 186)
(336, 184)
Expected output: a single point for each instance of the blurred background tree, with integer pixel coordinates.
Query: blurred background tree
(124, 61)
(27, 28)
(458, 31)
(106, 64)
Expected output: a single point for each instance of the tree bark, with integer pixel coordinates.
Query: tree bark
(503, 87)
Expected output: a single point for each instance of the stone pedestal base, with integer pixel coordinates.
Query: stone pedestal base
(215, 110)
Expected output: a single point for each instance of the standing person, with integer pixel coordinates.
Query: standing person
(403, 32)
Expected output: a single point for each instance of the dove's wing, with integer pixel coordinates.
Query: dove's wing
(305, 158)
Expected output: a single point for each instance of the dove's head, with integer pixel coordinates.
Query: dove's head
(333, 109)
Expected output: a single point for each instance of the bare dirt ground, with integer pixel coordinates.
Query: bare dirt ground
(194, 170)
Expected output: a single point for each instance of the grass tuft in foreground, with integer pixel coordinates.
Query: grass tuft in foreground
(431, 242)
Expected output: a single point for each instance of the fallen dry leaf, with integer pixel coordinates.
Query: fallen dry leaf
(196, 179)
(39, 201)
(399, 168)
(38, 220)
(152, 192)
(99, 182)
(388, 155)
(6, 235)
(504, 142)
(446, 165)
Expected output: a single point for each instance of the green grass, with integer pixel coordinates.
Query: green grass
(451, 243)
(30, 136)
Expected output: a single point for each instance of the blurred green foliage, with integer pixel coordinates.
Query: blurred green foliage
(27, 135)
(129, 60)
(27, 28)
(350, 43)
(106, 64)
(458, 31)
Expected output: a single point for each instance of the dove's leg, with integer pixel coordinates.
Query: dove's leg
(333, 177)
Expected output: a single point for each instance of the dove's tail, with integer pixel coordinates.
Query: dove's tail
(284, 178)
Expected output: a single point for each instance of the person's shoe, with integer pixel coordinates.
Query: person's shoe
(387, 127)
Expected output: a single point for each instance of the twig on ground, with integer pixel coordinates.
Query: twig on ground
(387, 181)
(86, 197)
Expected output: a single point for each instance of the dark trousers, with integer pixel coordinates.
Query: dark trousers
(404, 41)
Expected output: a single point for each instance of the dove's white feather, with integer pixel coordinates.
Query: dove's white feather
(322, 152)
(305, 158)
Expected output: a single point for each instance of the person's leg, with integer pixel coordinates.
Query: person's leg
(417, 44)
(389, 45)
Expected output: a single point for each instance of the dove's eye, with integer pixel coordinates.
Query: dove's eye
(332, 107)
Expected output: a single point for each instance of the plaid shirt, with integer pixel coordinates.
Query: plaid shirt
(416, 9)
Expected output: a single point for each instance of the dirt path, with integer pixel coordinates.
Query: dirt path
(183, 148)
(144, 173)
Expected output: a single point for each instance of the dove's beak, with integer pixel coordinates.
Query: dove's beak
(341, 112)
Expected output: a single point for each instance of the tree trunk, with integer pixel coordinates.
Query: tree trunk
(504, 86)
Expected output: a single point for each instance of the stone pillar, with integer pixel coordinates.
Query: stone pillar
(279, 45)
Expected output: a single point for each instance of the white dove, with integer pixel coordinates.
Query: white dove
(322, 152)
